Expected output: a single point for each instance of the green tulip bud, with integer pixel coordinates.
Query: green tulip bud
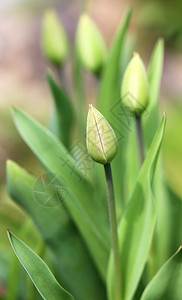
(54, 39)
(134, 89)
(90, 44)
(101, 140)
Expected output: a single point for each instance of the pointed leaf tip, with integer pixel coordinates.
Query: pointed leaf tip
(38, 271)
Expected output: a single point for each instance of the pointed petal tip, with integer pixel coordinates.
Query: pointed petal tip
(136, 54)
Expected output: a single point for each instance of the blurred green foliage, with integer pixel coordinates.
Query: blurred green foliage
(173, 143)
(161, 18)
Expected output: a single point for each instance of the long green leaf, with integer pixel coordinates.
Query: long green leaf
(80, 201)
(137, 225)
(59, 233)
(167, 282)
(109, 92)
(16, 272)
(161, 248)
(43, 279)
(168, 233)
(175, 217)
(151, 119)
(63, 116)
(110, 105)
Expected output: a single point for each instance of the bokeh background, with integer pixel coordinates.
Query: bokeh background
(23, 84)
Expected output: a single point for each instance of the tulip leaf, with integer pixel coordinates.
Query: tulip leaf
(175, 213)
(80, 200)
(150, 122)
(166, 284)
(110, 105)
(58, 231)
(110, 83)
(38, 271)
(63, 116)
(137, 225)
(169, 226)
(151, 119)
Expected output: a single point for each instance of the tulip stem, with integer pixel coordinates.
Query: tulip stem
(113, 226)
(62, 79)
(140, 138)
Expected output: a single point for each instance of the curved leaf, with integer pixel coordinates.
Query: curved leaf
(110, 82)
(59, 233)
(80, 202)
(150, 118)
(63, 116)
(151, 121)
(136, 227)
(166, 284)
(161, 246)
(40, 274)
(110, 105)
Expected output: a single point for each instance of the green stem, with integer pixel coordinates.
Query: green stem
(113, 225)
(140, 139)
(62, 78)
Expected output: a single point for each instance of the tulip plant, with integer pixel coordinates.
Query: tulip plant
(110, 220)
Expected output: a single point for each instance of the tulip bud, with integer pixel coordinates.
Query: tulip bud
(101, 140)
(134, 89)
(54, 39)
(90, 44)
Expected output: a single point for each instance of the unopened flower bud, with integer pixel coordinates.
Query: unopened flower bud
(101, 140)
(54, 39)
(90, 44)
(134, 89)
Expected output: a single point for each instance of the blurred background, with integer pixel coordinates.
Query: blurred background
(23, 83)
